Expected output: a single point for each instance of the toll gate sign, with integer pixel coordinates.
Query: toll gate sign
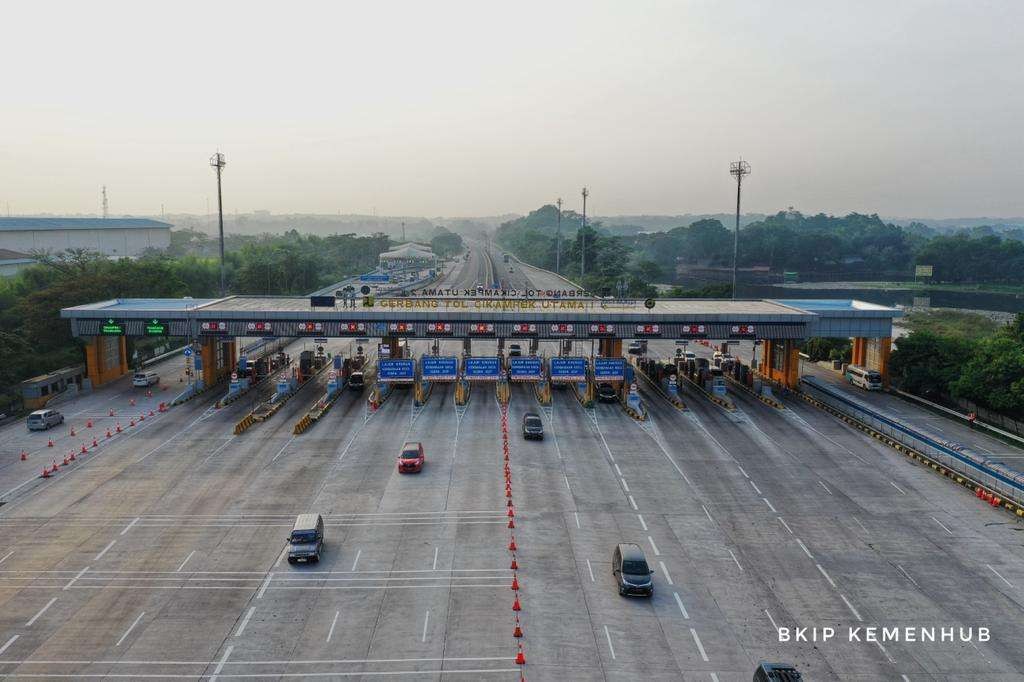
(525, 368)
(609, 369)
(395, 370)
(439, 367)
(486, 368)
(568, 369)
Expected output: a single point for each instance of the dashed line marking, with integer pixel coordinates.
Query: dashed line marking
(679, 603)
(850, 606)
(862, 526)
(902, 492)
(221, 662)
(633, 503)
(359, 553)
(129, 526)
(822, 484)
(590, 569)
(40, 612)
(804, 548)
(756, 488)
(618, 470)
(77, 576)
(664, 570)
(742, 471)
(576, 515)
(104, 550)
(653, 546)
(884, 651)
(827, 576)
(774, 510)
(434, 568)
(707, 513)
(625, 486)
(998, 575)
(786, 525)
(567, 486)
(330, 633)
(426, 621)
(130, 628)
(7, 556)
(11, 641)
(185, 561)
(735, 559)
(608, 636)
(700, 647)
(904, 572)
(265, 585)
(942, 526)
(774, 624)
(245, 621)
(642, 523)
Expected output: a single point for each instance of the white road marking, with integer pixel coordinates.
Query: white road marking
(998, 575)
(774, 510)
(642, 523)
(653, 546)
(6, 646)
(902, 492)
(77, 576)
(283, 448)
(850, 606)
(633, 503)
(567, 486)
(904, 572)
(884, 651)
(577, 516)
(625, 486)
(104, 550)
(281, 556)
(735, 559)
(618, 470)
(827, 576)
(774, 624)
(756, 488)
(185, 561)
(436, 549)
(7, 556)
(783, 522)
(266, 584)
(245, 621)
(904, 678)
(608, 636)
(665, 452)
(129, 526)
(707, 513)
(714, 677)
(822, 484)
(804, 548)
(745, 474)
(41, 612)
(700, 647)
(862, 526)
(679, 603)
(590, 569)
(426, 620)
(221, 662)
(332, 661)
(330, 633)
(942, 526)
(130, 628)
(664, 570)
(359, 553)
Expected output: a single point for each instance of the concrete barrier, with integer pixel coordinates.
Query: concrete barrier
(718, 400)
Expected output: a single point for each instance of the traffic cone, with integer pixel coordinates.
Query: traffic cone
(149, 394)
(84, 449)
(94, 443)
(510, 503)
(66, 461)
(118, 427)
(151, 413)
(24, 455)
(518, 631)
(142, 417)
(131, 423)
(46, 473)
(49, 444)
(515, 582)
(72, 434)
(511, 513)
(508, 492)
(111, 413)
(996, 501)
(520, 657)
(108, 433)
(515, 564)
(516, 606)
(512, 544)
(54, 470)
(511, 523)
(131, 401)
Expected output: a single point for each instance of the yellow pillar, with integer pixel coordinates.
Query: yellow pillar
(859, 356)
(105, 359)
(791, 364)
(884, 351)
(610, 348)
(206, 352)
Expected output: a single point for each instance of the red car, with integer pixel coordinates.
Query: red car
(411, 460)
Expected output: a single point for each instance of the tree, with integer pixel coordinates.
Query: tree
(926, 364)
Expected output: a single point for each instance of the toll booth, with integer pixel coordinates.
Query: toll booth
(38, 391)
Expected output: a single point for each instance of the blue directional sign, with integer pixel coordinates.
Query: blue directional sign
(374, 277)
(439, 367)
(188, 351)
(485, 368)
(395, 370)
(609, 369)
(568, 369)
(524, 368)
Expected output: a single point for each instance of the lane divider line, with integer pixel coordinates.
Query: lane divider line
(130, 628)
(245, 621)
(679, 603)
(40, 612)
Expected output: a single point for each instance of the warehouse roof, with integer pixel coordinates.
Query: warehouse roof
(19, 223)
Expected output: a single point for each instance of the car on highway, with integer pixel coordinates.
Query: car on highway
(356, 381)
(633, 575)
(716, 358)
(606, 393)
(777, 672)
(41, 420)
(637, 347)
(306, 540)
(689, 355)
(411, 459)
(145, 379)
(515, 350)
(533, 427)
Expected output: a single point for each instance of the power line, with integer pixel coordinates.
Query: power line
(737, 169)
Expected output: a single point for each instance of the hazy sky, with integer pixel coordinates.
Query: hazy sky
(479, 108)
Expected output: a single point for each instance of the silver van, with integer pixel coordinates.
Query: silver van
(306, 540)
(41, 420)
(145, 379)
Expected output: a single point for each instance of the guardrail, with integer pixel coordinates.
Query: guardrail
(959, 416)
(986, 476)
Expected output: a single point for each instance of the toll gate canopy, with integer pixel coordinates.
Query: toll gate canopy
(485, 317)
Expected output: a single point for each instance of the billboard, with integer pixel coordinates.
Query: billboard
(609, 369)
(568, 369)
(525, 368)
(395, 370)
(923, 270)
(486, 368)
(439, 367)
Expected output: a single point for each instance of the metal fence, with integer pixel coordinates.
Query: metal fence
(987, 471)
(994, 418)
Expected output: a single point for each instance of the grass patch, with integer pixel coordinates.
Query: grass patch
(961, 325)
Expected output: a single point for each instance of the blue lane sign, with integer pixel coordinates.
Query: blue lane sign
(188, 352)
(525, 368)
(609, 369)
(395, 370)
(372, 277)
(568, 369)
(439, 367)
(485, 368)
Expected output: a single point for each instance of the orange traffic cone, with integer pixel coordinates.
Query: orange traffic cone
(515, 564)
(511, 513)
(512, 544)
(94, 443)
(142, 417)
(88, 424)
(49, 444)
(516, 606)
(84, 449)
(111, 413)
(72, 432)
(24, 455)
(520, 658)
(131, 401)
(54, 469)
(118, 427)
(518, 631)
(108, 433)
(66, 461)
(151, 413)
(131, 423)
(511, 523)
(46, 473)
(515, 582)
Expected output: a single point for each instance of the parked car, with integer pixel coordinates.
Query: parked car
(411, 459)
(41, 420)
(629, 566)
(306, 540)
(606, 393)
(515, 350)
(533, 427)
(145, 379)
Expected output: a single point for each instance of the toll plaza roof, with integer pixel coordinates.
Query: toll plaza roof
(432, 317)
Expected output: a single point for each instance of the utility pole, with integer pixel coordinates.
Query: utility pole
(558, 239)
(403, 231)
(217, 162)
(583, 235)
(104, 201)
(737, 169)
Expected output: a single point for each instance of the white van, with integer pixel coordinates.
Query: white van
(868, 379)
(145, 379)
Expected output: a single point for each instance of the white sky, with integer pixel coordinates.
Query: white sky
(478, 108)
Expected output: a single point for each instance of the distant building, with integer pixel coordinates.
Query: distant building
(12, 261)
(408, 256)
(115, 237)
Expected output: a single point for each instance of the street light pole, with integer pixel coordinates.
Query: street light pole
(558, 239)
(737, 169)
(583, 235)
(218, 163)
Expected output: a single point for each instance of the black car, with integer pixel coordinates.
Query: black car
(606, 393)
(306, 540)
(533, 427)
(515, 350)
(777, 672)
(629, 566)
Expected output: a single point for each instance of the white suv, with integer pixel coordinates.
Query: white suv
(145, 379)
